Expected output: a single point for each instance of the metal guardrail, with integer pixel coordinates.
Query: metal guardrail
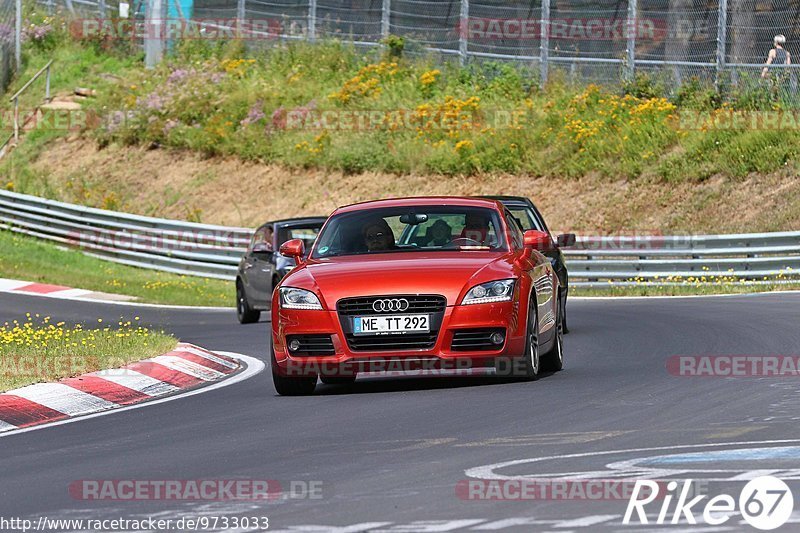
(214, 251)
(675, 260)
(147, 242)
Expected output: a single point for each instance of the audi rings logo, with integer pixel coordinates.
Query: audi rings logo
(390, 304)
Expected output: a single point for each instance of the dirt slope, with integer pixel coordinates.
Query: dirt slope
(228, 191)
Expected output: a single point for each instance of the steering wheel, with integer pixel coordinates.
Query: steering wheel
(462, 241)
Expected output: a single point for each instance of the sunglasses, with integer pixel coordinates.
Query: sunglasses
(375, 236)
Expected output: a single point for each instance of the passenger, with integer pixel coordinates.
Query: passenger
(378, 236)
(476, 227)
(439, 234)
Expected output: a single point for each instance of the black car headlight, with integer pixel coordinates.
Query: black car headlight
(493, 291)
(291, 298)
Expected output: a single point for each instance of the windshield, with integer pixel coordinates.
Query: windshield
(308, 233)
(525, 218)
(411, 229)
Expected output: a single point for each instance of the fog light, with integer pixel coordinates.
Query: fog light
(294, 345)
(497, 338)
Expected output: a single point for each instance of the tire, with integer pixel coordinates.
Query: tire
(527, 365)
(531, 362)
(291, 386)
(244, 312)
(553, 360)
(338, 380)
(564, 315)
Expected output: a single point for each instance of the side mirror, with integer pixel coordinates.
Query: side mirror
(538, 240)
(566, 239)
(295, 248)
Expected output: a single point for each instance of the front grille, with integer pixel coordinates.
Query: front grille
(312, 345)
(469, 340)
(424, 341)
(430, 304)
(416, 304)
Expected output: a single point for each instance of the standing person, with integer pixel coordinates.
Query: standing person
(777, 56)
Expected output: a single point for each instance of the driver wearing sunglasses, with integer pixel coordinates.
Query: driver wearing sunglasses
(378, 236)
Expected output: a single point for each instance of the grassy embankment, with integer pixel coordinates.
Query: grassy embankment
(30, 259)
(36, 350)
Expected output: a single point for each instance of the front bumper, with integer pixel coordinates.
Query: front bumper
(505, 316)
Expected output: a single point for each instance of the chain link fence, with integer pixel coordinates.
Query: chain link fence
(720, 42)
(7, 30)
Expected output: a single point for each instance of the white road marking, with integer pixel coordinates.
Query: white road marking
(488, 471)
(587, 521)
(63, 398)
(355, 528)
(136, 381)
(5, 426)
(432, 526)
(71, 293)
(509, 522)
(254, 366)
(11, 284)
(187, 367)
(206, 355)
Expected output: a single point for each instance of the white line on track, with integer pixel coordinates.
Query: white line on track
(254, 367)
(487, 471)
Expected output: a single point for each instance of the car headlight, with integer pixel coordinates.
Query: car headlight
(291, 298)
(493, 291)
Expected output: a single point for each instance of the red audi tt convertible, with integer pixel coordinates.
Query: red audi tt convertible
(416, 283)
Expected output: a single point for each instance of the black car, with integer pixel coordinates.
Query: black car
(525, 212)
(262, 267)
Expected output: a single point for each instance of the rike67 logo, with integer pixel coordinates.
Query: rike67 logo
(765, 503)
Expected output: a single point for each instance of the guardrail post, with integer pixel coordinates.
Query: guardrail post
(386, 14)
(463, 34)
(312, 20)
(240, 14)
(101, 7)
(47, 85)
(630, 59)
(544, 43)
(153, 42)
(16, 120)
(722, 37)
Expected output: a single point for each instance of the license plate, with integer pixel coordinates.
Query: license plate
(391, 324)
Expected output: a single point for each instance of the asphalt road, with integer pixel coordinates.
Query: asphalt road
(391, 452)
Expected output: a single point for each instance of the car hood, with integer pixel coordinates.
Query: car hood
(445, 273)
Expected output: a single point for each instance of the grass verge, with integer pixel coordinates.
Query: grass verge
(29, 259)
(38, 351)
(694, 289)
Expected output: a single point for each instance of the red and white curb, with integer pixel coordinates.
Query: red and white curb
(186, 367)
(29, 288)
(56, 291)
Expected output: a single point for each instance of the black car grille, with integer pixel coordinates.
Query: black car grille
(430, 304)
(416, 304)
(475, 340)
(312, 345)
(424, 341)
